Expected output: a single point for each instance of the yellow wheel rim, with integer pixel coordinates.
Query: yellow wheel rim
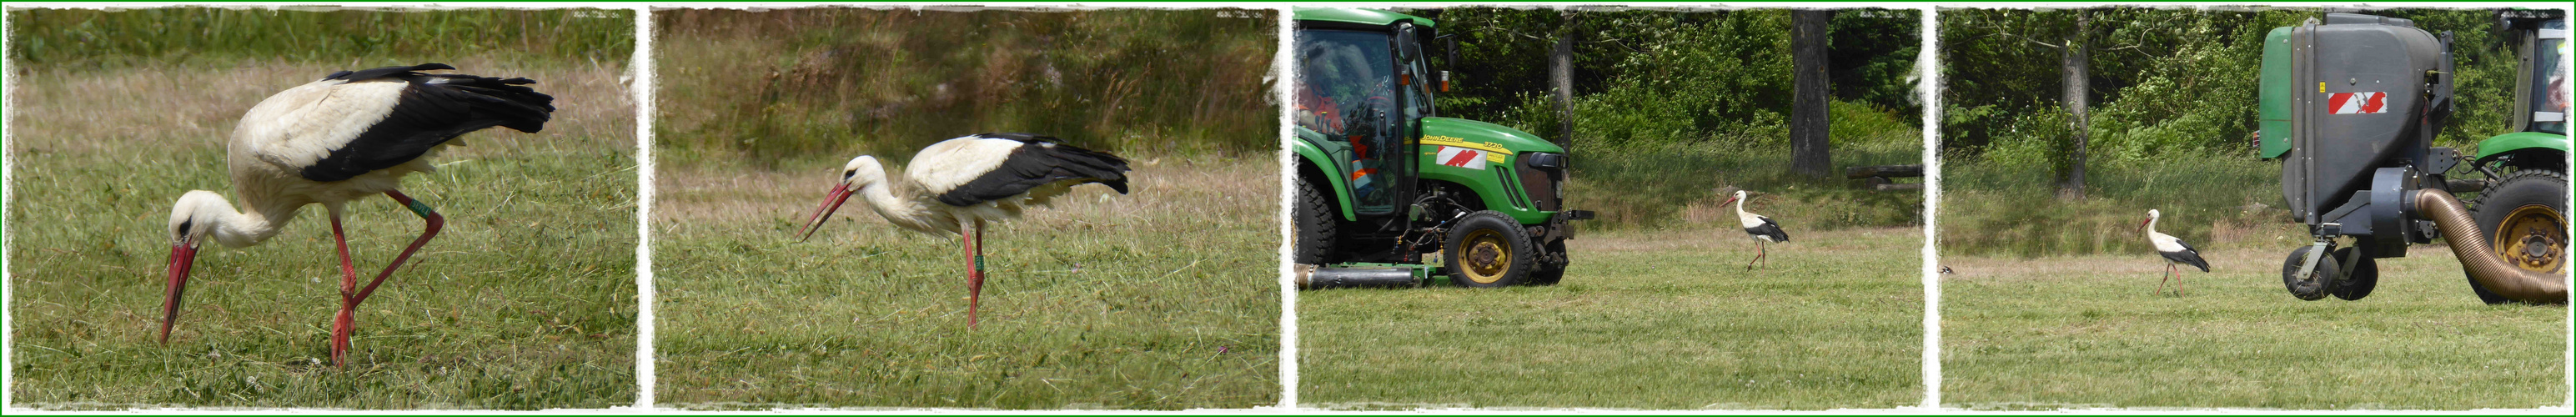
(1486, 257)
(2533, 237)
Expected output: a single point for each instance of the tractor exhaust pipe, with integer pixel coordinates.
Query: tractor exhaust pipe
(2470, 245)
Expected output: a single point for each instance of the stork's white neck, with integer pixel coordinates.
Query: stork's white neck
(235, 228)
(895, 199)
(2151, 225)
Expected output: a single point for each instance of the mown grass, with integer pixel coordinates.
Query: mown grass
(525, 301)
(1165, 298)
(1644, 320)
(759, 87)
(1679, 186)
(2086, 332)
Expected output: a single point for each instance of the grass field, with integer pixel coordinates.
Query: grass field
(1643, 320)
(2087, 332)
(525, 301)
(1165, 298)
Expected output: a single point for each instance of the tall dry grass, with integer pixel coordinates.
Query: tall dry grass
(760, 87)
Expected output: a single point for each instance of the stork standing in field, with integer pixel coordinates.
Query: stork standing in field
(956, 185)
(347, 136)
(1762, 228)
(2174, 251)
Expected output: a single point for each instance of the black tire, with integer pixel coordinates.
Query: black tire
(2312, 287)
(1312, 217)
(2525, 191)
(1487, 249)
(1550, 271)
(2357, 282)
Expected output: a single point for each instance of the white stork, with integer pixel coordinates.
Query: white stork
(344, 137)
(956, 185)
(1762, 228)
(2174, 252)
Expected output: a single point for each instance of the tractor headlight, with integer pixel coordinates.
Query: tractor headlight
(1546, 160)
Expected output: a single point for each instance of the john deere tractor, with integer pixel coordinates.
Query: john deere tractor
(1383, 181)
(2351, 105)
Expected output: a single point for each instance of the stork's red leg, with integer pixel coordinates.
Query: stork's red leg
(975, 270)
(2177, 277)
(2162, 278)
(342, 324)
(431, 222)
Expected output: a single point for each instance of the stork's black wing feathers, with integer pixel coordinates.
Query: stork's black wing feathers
(1039, 161)
(2187, 256)
(1769, 229)
(433, 109)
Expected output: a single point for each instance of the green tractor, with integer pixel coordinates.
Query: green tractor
(2350, 105)
(1382, 181)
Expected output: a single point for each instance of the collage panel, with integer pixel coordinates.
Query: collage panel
(523, 299)
(2131, 197)
(1019, 209)
(1600, 248)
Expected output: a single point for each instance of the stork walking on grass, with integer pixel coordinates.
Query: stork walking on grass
(2174, 251)
(957, 185)
(347, 136)
(1763, 230)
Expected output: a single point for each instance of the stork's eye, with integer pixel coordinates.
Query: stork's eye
(847, 174)
(184, 226)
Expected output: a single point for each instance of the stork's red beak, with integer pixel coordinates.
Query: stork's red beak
(831, 203)
(2142, 224)
(1729, 200)
(182, 256)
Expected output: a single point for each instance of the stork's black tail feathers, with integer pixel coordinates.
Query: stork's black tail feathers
(1040, 161)
(432, 109)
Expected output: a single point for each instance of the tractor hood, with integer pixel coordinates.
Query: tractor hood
(1482, 135)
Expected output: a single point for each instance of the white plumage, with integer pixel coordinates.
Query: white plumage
(344, 137)
(957, 185)
(2173, 250)
(1761, 228)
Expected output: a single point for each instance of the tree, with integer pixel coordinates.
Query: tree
(1560, 76)
(1810, 138)
(2077, 69)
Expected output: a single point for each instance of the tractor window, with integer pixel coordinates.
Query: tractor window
(2549, 108)
(1345, 92)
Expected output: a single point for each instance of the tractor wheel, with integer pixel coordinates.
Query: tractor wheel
(2357, 282)
(2525, 219)
(1314, 223)
(2313, 286)
(1487, 249)
(1549, 272)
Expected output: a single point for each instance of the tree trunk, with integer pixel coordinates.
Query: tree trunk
(2078, 71)
(1809, 124)
(1560, 77)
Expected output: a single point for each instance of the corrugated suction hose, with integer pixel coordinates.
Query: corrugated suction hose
(2491, 271)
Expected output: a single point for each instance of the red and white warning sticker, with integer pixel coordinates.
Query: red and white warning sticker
(2368, 102)
(1462, 157)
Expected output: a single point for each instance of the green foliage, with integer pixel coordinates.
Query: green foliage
(1671, 105)
(829, 83)
(205, 36)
